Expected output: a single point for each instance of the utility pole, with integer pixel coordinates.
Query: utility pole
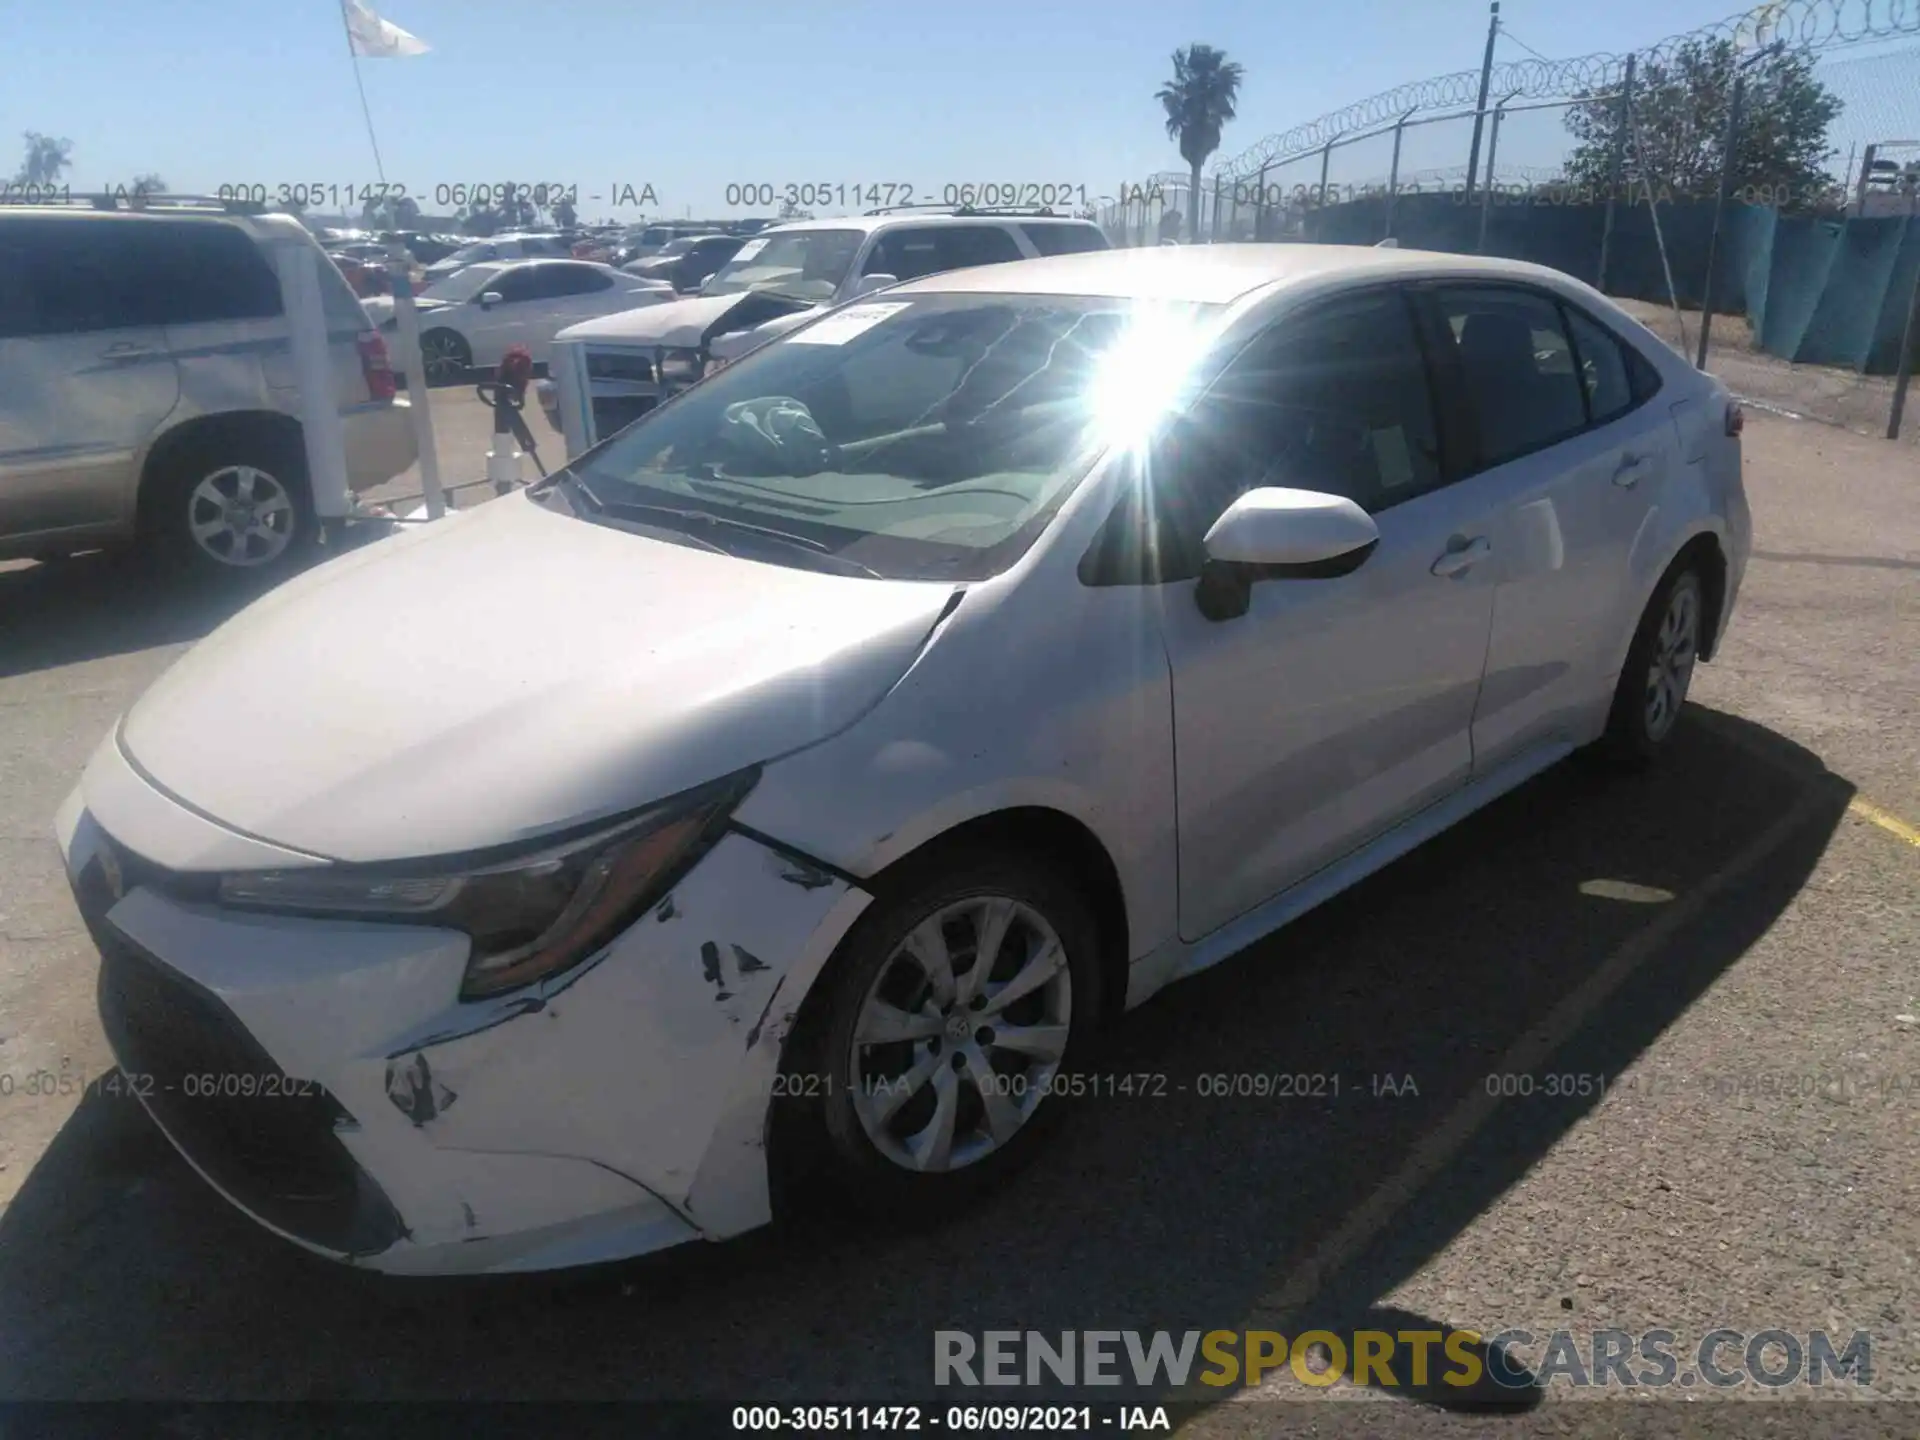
(1728, 158)
(1480, 105)
(1486, 191)
(1616, 172)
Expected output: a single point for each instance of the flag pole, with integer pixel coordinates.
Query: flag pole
(360, 85)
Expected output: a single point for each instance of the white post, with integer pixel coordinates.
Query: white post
(298, 265)
(407, 331)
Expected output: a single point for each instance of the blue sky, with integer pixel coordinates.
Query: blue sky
(689, 99)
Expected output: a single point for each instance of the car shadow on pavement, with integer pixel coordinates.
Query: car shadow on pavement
(1173, 1207)
(113, 602)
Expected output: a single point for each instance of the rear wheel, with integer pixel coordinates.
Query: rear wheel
(954, 1013)
(1659, 670)
(230, 506)
(445, 356)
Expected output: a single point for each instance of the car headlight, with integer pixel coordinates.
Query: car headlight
(680, 366)
(531, 915)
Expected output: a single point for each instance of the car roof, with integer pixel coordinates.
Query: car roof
(1208, 274)
(886, 221)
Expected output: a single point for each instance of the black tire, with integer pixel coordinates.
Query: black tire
(445, 356)
(823, 1135)
(1639, 726)
(174, 499)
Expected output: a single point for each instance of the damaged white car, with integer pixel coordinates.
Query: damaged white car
(802, 777)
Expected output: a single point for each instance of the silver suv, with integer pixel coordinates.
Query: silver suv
(150, 393)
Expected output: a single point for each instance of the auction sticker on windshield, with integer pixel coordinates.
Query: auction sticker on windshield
(840, 328)
(749, 250)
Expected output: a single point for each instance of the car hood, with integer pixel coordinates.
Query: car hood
(679, 323)
(509, 671)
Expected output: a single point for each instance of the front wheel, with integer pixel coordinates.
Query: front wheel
(1659, 670)
(955, 1013)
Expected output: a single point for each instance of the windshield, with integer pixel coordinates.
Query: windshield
(462, 284)
(929, 439)
(805, 264)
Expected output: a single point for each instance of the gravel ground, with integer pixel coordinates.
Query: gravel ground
(1751, 1163)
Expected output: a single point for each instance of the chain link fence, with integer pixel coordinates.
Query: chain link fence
(1811, 280)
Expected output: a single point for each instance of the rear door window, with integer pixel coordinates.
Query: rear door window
(79, 277)
(1065, 239)
(1517, 365)
(559, 281)
(961, 247)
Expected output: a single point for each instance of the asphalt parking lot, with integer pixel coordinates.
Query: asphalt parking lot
(1733, 942)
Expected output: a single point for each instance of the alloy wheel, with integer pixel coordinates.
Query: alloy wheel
(241, 516)
(1670, 667)
(442, 357)
(961, 1034)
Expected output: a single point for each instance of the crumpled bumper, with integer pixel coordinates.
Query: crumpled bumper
(325, 1078)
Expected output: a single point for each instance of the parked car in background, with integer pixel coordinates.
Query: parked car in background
(500, 247)
(686, 263)
(606, 373)
(368, 278)
(151, 396)
(427, 249)
(645, 241)
(800, 783)
(473, 317)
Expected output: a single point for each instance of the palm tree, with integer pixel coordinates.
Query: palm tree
(1199, 101)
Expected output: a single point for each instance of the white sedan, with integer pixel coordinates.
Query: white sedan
(803, 776)
(473, 317)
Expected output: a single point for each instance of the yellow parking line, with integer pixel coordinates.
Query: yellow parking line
(1890, 823)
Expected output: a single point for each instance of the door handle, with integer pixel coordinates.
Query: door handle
(127, 350)
(1631, 468)
(1457, 561)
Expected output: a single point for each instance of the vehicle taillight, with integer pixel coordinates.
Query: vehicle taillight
(375, 365)
(1736, 419)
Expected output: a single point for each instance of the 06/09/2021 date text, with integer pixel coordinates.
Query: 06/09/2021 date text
(876, 194)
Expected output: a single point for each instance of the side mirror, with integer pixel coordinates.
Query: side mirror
(867, 284)
(1278, 534)
(489, 299)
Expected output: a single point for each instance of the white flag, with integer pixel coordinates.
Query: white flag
(369, 35)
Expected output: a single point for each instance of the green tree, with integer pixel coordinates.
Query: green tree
(564, 213)
(1199, 101)
(45, 159)
(1679, 130)
(148, 184)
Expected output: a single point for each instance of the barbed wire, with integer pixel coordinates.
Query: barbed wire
(1815, 25)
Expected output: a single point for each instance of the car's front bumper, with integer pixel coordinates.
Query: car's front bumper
(324, 1076)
